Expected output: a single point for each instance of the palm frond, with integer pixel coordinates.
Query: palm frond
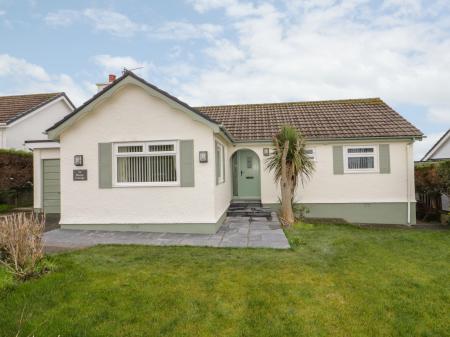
(297, 158)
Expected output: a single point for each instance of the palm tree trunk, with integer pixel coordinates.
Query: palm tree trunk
(287, 213)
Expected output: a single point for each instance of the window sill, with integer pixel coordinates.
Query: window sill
(360, 171)
(177, 184)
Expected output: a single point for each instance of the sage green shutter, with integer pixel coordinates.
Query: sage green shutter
(216, 159)
(105, 165)
(187, 163)
(338, 159)
(385, 158)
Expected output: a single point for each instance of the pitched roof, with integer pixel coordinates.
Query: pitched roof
(17, 106)
(353, 118)
(128, 73)
(436, 146)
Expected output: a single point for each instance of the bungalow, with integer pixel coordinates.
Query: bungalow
(133, 157)
(25, 117)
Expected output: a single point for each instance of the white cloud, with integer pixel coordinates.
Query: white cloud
(11, 66)
(120, 25)
(25, 77)
(439, 114)
(327, 49)
(112, 22)
(225, 52)
(63, 17)
(109, 21)
(177, 30)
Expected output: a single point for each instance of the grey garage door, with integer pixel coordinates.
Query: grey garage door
(51, 186)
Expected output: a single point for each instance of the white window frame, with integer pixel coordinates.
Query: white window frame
(116, 154)
(221, 177)
(313, 156)
(373, 154)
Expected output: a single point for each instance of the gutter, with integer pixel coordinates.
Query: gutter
(387, 138)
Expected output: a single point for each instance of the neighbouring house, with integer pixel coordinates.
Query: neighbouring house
(133, 157)
(440, 150)
(24, 117)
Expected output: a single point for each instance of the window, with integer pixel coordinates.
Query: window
(360, 159)
(249, 162)
(311, 153)
(220, 163)
(146, 164)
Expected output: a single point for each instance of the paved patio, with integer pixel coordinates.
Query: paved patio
(235, 232)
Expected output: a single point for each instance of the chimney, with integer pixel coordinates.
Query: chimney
(101, 86)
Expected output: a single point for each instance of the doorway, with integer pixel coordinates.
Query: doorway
(246, 175)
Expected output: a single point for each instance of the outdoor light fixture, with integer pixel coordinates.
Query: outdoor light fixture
(78, 160)
(203, 156)
(266, 151)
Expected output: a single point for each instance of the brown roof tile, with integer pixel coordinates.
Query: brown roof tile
(352, 118)
(13, 107)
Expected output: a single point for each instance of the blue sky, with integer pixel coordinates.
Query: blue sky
(232, 51)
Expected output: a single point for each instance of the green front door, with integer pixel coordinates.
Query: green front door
(247, 175)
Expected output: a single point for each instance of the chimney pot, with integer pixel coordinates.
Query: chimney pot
(111, 78)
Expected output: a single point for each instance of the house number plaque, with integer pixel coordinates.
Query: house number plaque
(79, 175)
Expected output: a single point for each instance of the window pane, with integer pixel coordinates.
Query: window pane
(361, 163)
(360, 150)
(249, 162)
(161, 148)
(130, 148)
(146, 169)
(310, 153)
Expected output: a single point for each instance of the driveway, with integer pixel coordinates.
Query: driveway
(235, 232)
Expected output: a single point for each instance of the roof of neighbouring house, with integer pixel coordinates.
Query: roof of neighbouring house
(17, 106)
(445, 137)
(351, 118)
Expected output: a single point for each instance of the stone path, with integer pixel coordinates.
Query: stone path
(235, 232)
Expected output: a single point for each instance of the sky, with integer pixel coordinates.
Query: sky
(233, 51)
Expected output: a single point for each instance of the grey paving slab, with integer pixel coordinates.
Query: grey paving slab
(235, 232)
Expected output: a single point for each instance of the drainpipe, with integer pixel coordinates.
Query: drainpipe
(408, 190)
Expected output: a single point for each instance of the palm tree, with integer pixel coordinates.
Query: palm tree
(289, 162)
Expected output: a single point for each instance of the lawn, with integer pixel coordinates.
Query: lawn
(336, 281)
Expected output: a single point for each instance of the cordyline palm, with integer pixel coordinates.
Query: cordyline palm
(289, 162)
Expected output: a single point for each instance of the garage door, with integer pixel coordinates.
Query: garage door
(51, 186)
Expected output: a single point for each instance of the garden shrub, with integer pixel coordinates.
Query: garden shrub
(16, 177)
(21, 246)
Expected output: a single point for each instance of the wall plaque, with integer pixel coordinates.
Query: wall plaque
(79, 175)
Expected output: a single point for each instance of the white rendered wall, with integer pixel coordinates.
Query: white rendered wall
(33, 126)
(326, 187)
(38, 156)
(134, 115)
(443, 152)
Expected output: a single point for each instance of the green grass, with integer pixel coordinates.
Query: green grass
(336, 281)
